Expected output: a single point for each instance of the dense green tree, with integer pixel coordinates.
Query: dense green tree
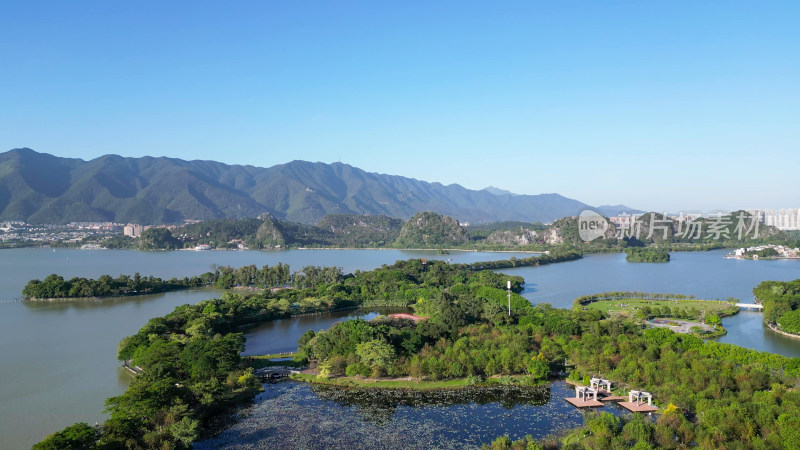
(538, 367)
(77, 436)
(790, 321)
(158, 239)
(375, 352)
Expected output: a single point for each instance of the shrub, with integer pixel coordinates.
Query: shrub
(356, 369)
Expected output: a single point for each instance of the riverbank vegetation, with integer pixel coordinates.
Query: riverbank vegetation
(56, 287)
(765, 253)
(781, 301)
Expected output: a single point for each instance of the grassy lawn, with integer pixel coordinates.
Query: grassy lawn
(629, 306)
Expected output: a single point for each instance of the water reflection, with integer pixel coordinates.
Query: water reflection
(379, 405)
(282, 335)
(747, 329)
(298, 415)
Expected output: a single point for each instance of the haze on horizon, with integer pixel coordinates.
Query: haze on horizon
(666, 107)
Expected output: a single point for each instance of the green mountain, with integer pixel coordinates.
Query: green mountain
(428, 229)
(361, 231)
(42, 188)
(267, 231)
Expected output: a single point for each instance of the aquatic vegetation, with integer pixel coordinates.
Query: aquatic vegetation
(310, 416)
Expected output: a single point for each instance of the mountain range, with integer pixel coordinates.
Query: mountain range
(42, 188)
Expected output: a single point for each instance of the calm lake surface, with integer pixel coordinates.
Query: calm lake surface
(319, 417)
(58, 360)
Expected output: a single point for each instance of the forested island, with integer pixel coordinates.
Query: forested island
(646, 255)
(279, 276)
(712, 395)
(56, 287)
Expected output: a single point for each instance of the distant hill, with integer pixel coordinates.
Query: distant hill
(616, 210)
(42, 188)
(428, 229)
(431, 230)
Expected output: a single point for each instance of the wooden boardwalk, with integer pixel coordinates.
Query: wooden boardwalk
(638, 407)
(580, 403)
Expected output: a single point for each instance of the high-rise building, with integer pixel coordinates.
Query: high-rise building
(132, 230)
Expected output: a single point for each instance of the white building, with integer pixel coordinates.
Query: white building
(132, 230)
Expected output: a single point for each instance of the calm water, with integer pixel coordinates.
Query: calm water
(282, 335)
(57, 360)
(703, 274)
(299, 415)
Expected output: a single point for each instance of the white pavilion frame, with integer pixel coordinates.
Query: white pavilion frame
(640, 396)
(597, 383)
(583, 393)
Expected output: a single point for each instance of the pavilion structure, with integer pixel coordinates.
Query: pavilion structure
(636, 402)
(585, 397)
(598, 383)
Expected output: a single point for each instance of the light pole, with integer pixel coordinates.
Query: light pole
(509, 298)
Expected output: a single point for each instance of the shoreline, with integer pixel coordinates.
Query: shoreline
(789, 335)
(411, 384)
(106, 297)
(536, 252)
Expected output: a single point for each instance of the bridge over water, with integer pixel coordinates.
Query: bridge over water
(750, 306)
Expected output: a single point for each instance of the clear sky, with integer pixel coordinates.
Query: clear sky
(661, 105)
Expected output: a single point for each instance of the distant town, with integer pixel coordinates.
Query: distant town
(765, 252)
(71, 233)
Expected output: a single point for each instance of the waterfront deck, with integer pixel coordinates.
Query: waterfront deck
(581, 403)
(614, 398)
(637, 407)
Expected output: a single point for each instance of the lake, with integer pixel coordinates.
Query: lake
(319, 417)
(706, 275)
(58, 360)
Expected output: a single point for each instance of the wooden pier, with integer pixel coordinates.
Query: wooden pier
(636, 402)
(638, 407)
(581, 403)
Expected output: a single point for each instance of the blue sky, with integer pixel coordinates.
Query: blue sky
(658, 105)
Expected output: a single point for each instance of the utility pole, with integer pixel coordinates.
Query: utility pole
(509, 298)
